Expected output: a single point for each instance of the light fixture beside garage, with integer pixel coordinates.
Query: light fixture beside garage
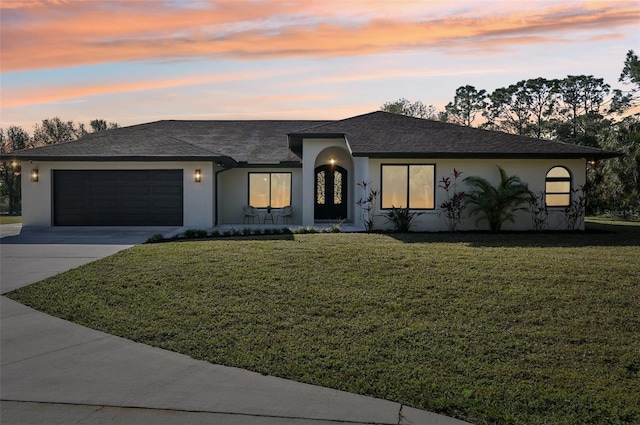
(198, 176)
(35, 176)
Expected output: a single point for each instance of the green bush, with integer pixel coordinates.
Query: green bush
(401, 218)
(156, 237)
(497, 204)
(195, 233)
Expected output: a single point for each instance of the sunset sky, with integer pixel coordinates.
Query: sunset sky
(139, 61)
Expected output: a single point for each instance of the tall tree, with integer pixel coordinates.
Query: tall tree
(615, 182)
(13, 139)
(630, 75)
(101, 125)
(416, 109)
(509, 109)
(523, 108)
(467, 103)
(581, 106)
(543, 101)
(631, 71)
(54, 130)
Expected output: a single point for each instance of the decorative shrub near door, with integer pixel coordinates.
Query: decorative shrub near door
(367, 204)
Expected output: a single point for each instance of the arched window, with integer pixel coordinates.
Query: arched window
(558, 187)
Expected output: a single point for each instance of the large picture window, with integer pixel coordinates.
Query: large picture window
(269, 189)
(409, 185)
(558, 187)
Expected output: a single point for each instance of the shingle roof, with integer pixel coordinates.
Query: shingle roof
(382, 134)
(377, 134)
(259, 142)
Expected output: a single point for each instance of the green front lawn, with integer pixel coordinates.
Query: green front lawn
(10, 219)
(509, 329)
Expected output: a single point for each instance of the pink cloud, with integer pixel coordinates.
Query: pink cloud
(39, 35)
(30, 96)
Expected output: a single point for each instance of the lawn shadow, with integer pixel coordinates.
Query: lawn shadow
(595, 234)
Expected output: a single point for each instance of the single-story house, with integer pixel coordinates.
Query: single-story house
(202, 173)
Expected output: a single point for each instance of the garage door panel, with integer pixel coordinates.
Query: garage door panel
(166, 190)
(74, 215)
(98, 176)
(69, 175)
(111, 204)
(102, 190)
(118, 197)
(71, 191)
(137, 175)
(164, 175)
(164, 208)
(136, 190)
(135, 204)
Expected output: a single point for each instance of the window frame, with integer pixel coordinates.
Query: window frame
(408, 189)
(269, 173)
(548, 179)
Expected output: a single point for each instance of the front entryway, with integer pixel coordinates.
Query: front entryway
(330, 193)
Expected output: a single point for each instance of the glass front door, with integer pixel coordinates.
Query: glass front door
(331, 193)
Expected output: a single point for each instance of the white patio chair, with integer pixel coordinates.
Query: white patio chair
(250, 214)
(286, 214)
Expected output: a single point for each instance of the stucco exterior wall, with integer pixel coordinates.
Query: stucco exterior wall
(200, 198)
(360, 175)
(531, 171)
(37, 197)
(233, 193)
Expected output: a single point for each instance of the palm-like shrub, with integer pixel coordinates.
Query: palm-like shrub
(496, 204)
(401, 218)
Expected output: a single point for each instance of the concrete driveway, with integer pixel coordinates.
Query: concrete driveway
(57, 372)
(32, 254)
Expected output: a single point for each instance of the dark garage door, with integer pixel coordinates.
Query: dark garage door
(117, 197)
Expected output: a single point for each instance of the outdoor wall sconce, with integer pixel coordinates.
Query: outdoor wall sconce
(34, 175)
(198, 176)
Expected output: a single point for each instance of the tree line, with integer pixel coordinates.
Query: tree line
(578, 109)
(48, 132)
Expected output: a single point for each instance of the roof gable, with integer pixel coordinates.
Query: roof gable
(262, 142)
(383, 134)
(134, 141)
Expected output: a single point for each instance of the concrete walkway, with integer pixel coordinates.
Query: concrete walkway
(56, 372)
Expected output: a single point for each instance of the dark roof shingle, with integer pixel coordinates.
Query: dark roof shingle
(377, 134)
(382, 134)
(260, 142)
